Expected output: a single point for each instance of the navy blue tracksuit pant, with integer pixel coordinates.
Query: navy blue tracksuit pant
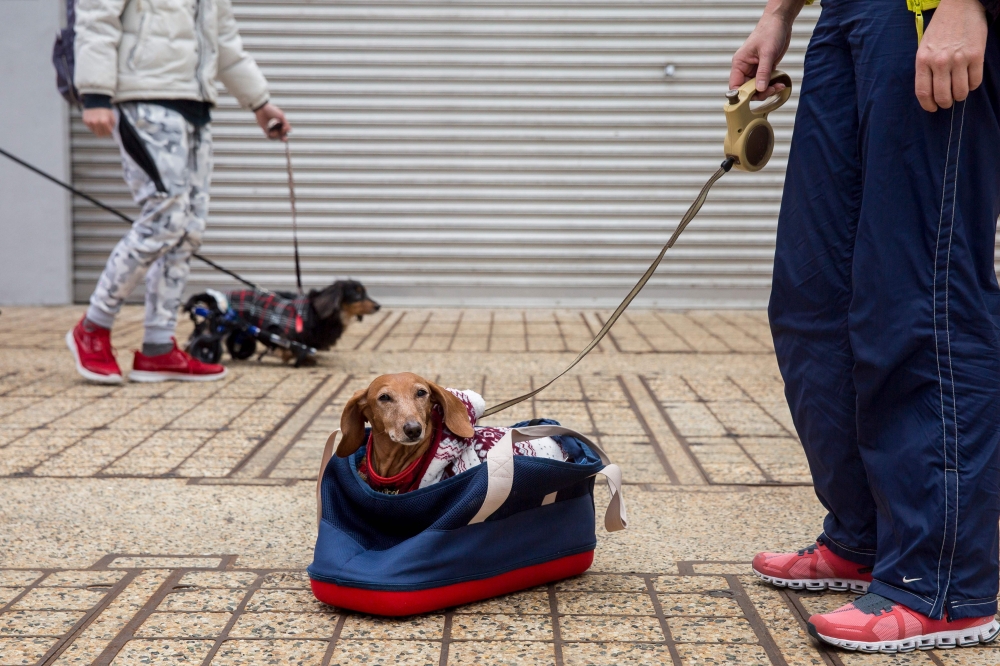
(885, 311)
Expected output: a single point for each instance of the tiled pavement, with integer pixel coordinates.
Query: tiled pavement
(170, 524)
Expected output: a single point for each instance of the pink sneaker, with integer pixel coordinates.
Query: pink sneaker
(875, 624)
(175, 365)
(812, 568)
(94, 356)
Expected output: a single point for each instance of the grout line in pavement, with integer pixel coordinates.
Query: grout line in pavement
(675, 431)
(657, 447)
(266, 472)
(278, 426)
(668, 638)
(756, 623)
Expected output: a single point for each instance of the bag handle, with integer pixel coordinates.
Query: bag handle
(327, 454)
(500, 470)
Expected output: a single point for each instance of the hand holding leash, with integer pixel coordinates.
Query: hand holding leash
(272, 120)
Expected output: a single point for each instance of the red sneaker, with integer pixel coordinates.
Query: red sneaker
(812, 568)
(174, 365)
(875, 624)
(95, 358)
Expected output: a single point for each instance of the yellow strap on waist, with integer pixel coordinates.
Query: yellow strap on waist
(918, 7)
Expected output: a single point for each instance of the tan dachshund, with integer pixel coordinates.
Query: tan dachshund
(399, 408)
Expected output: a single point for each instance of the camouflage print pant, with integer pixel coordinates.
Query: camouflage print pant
(168, 165)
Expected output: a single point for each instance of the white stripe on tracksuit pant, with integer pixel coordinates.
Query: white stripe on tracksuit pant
(169, 229)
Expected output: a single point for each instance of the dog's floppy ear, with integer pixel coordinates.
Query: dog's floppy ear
(328, 301)
(456, 416)
(352, 424)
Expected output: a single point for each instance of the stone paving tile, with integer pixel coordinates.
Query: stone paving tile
(283, 624)
(290, 652)
(285, 600)
(183, 625)
(530, 602)
(162, 652)
(23, 650)
(204, 600)
(59, 598)
(82, 578)
(224, 579)
(501, 653)
(605, 603)
(14, 578)
(386, 653)
(417, 628)
(37, 623)
(712, 655)
(615, 654)
(711, 630)
(501, 627)
(618, 628)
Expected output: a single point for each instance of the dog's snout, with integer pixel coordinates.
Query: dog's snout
(376, 307)
(413, 430)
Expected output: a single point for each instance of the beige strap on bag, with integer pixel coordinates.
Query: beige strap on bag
(327, 454)
(500, 466)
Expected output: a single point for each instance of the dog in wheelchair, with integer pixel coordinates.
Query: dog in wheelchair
(292, 326)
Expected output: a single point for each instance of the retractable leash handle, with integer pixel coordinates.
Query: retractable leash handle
(749, 136)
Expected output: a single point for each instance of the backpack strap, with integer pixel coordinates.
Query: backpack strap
(500, 474)
(327, 454)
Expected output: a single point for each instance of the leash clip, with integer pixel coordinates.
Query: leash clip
(749, 135)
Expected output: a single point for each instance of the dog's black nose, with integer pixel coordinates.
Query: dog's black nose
(413, 430)
(377, 307)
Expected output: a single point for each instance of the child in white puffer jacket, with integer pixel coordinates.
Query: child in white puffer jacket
(146, 71)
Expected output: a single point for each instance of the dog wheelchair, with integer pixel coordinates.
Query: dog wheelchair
(216, 324)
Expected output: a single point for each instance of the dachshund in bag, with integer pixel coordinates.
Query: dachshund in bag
(421, 433)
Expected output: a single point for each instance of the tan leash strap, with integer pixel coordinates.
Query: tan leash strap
(688, 216)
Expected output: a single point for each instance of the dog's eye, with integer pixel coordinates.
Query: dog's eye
(385, 397)
(421, 393)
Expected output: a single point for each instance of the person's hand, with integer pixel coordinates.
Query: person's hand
(765, 47)
(950, 56)
(266, 115)
(100, 121)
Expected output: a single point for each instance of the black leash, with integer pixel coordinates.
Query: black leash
(126, 218)
(726, 165)
(295, 225)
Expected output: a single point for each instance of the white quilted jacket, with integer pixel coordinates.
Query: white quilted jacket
(163, 49)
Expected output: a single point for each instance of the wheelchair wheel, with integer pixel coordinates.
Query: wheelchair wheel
(240, 345)
(206, 350)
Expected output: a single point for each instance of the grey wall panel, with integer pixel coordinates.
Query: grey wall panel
(483, 152)
(36, 248)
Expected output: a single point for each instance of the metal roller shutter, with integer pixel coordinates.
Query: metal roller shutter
(533, 152)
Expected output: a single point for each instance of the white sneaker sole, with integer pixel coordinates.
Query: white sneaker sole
(815, 584)
(984, 633)
(87, 374)
(151, 377)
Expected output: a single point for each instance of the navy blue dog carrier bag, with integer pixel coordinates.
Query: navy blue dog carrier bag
(509, 524)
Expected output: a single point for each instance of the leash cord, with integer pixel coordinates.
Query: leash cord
(688, 216)
(123, 216)
(295, 227)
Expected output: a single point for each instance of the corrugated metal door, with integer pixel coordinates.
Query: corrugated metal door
(532, 152)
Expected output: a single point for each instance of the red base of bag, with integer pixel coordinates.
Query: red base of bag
(412, 602)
